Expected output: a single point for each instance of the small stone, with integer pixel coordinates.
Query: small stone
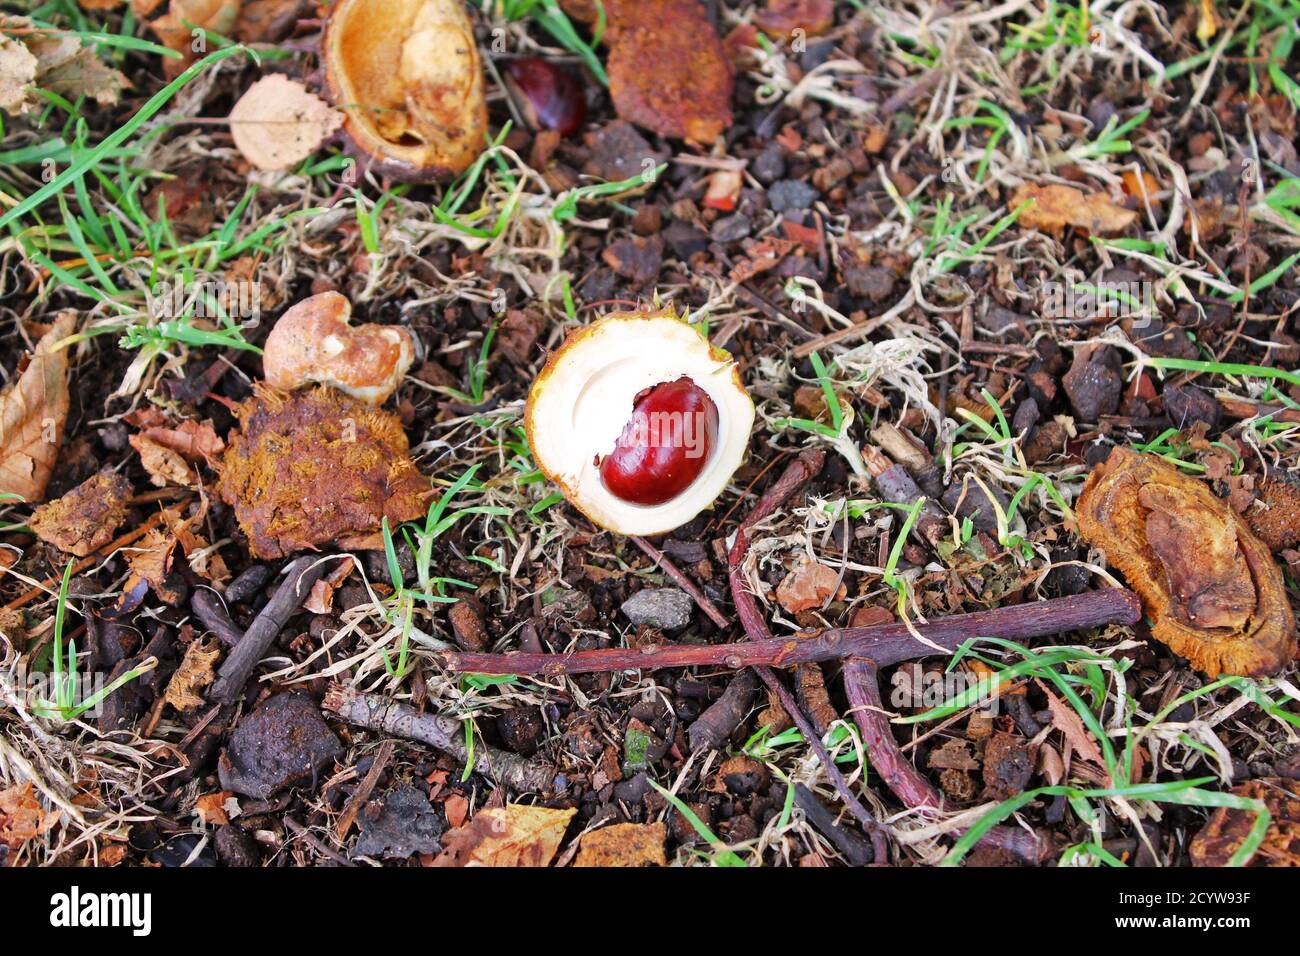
(730, 228)
(870, 282)
(1094, 382)
(968, 500)
(283, 742)
(638, 260)
(787, 194)
(769, 165)
(235, 847)
(521, 730)
(1185, 404)
(685, 240)
(1000, 321)
(665, 608)
(400, 826)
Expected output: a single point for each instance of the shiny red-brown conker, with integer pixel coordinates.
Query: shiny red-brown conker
(553, 97)
(665, 444)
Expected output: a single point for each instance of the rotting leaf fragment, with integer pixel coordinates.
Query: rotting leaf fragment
(1207, 582)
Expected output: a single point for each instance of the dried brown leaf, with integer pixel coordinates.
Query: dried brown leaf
(1067, 720)
(513, 835)
(165, 466)
(21, 816)
(184, 690)
(808, 586)
(193, 441)
(1055, 207)
(278, 123)
(32, 413)
(780, 18)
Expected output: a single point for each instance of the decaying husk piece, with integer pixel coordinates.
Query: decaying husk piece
(1207, 582)
(1228, 828)
(408, 75)
(317, 467)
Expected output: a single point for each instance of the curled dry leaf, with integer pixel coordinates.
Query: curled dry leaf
(1207, 582)
(1055, 207)
(165, 466)
(21, 816)
(33, 409)
(85, 518)
(313, 343)
(184, 690)
(278, 123)
(513, 835)
(54, 62)
(623, 844)
(407, 75)
(667, 68)
(808, 586)
(193, 441)
(1226, 830)
(317, 467)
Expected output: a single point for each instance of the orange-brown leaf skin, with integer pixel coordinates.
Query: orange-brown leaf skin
(1228, 828)
(668, 71)
(1208, 584)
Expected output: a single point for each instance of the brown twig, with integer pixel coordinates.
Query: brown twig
(300, 575)
(884, 643)
(862, 686)
(376, 712)
(129, 538)
(720, 718)
(363, 791)
(683, 582)
(207, 607)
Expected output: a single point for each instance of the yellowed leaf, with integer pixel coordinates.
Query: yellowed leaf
(32, 413)
(624, 844)
(1056, 206)
(513, 835)
(278, 123)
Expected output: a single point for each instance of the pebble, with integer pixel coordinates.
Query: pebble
(665, 608)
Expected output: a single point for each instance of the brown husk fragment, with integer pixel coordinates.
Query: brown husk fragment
(317, 467)
(408, 75)
(1207, 582)
(85, 518)
(1228, 827)
(1278, 522)
(667, 68)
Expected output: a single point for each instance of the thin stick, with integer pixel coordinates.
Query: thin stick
(376, 712)
(884, 643)
(862, 685)
(86, 562)
(683, 582)
(252, 647)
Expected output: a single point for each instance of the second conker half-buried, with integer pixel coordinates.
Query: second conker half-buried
(639, 421)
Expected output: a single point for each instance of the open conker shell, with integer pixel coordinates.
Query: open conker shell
(408, 76)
